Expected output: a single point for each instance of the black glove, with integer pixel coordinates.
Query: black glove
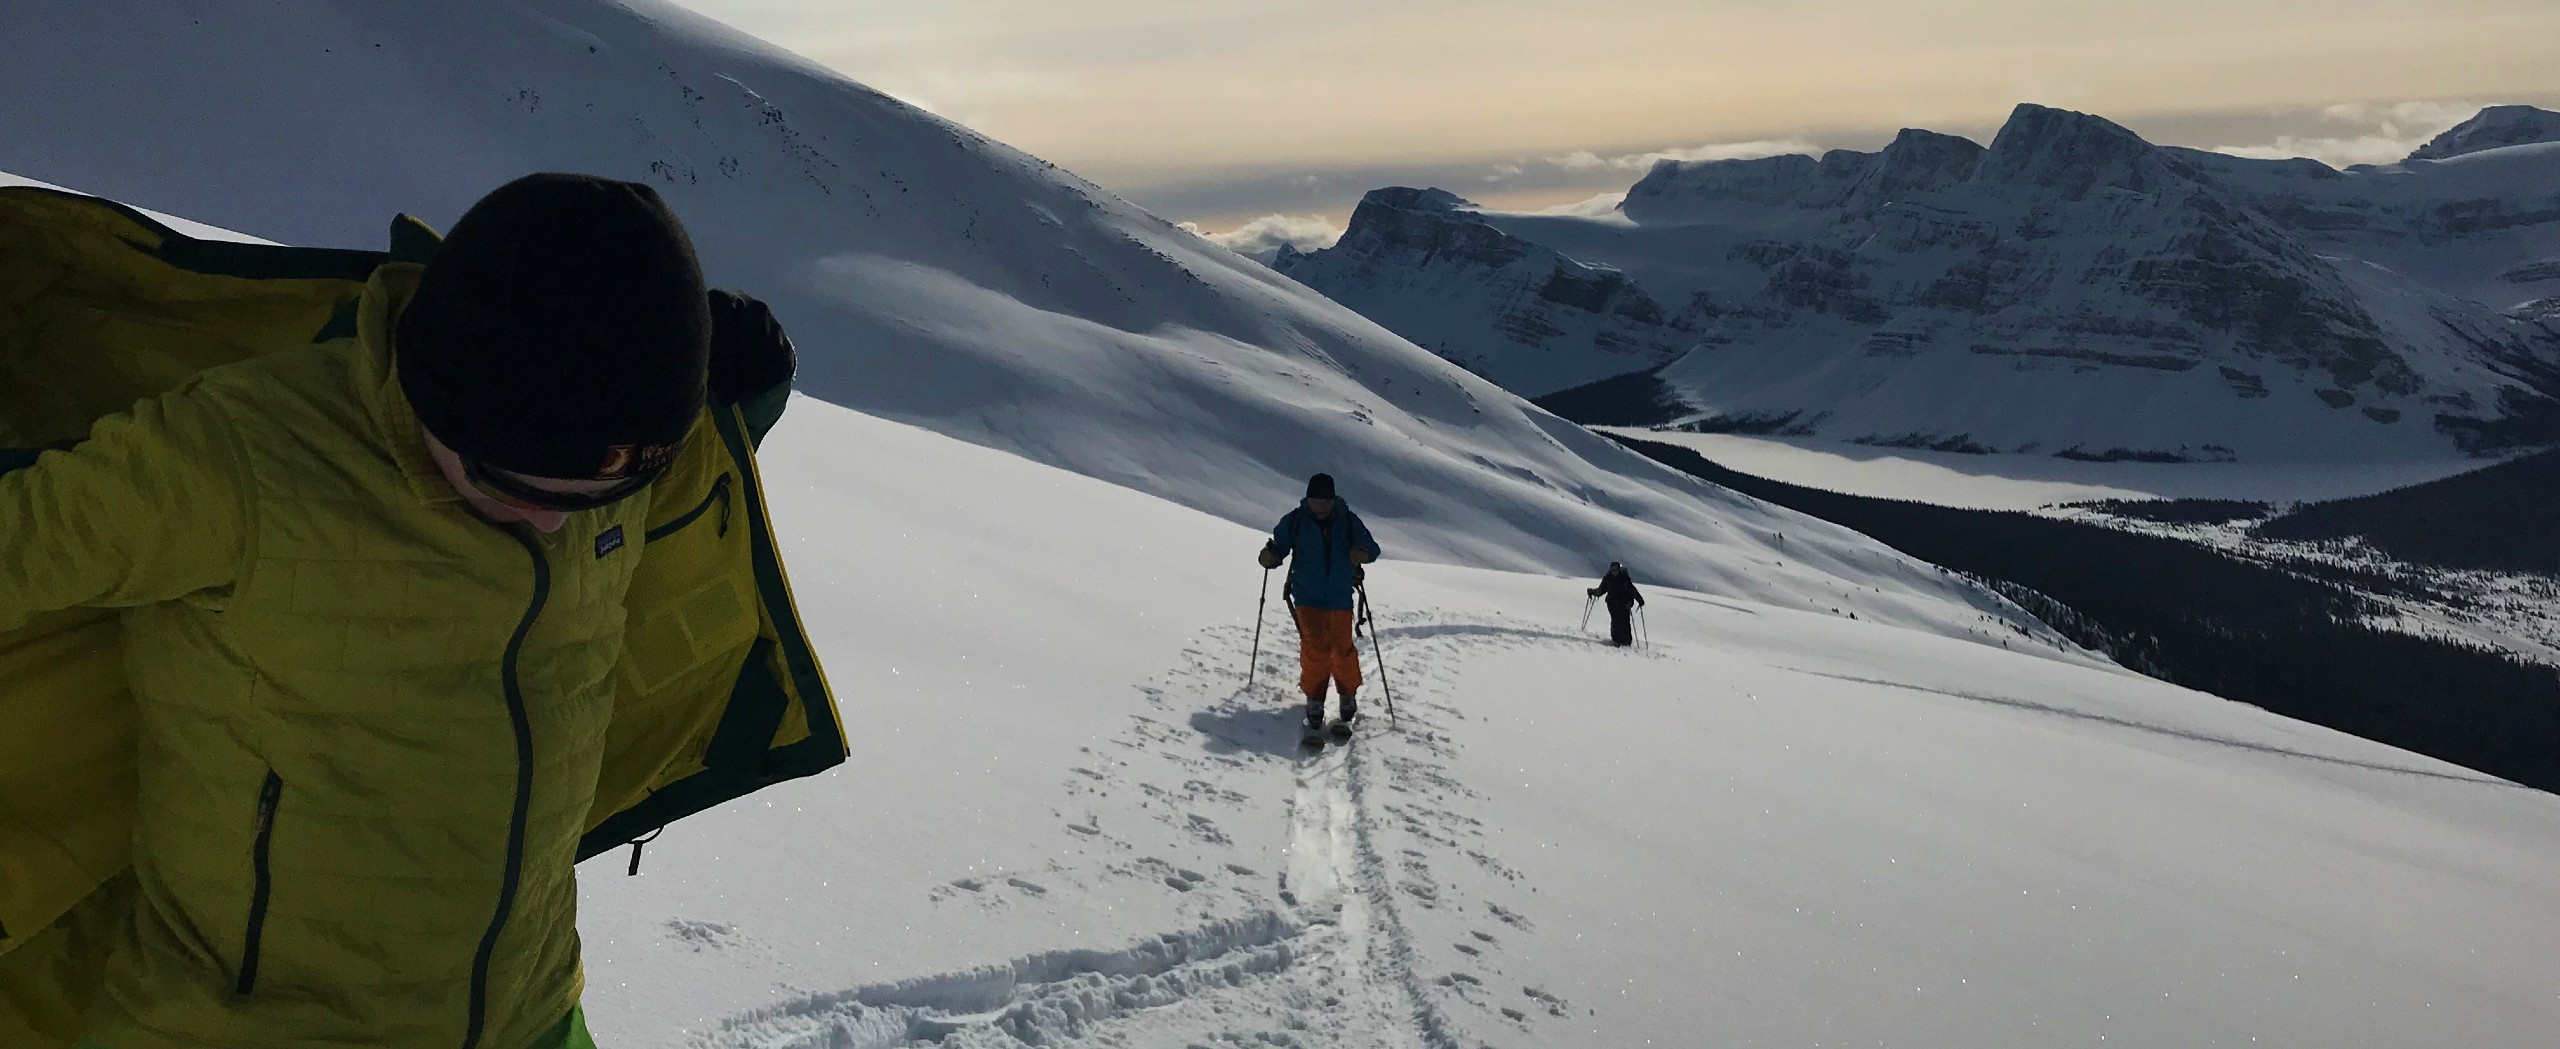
(750, 354)
(1359, 575)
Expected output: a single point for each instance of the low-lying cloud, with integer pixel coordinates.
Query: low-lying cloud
(2384, 133)
(1599, 206)
(1262, 237)
(1585, 160)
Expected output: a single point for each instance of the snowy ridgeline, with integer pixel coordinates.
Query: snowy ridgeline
(1066, 823)
(2067, 290)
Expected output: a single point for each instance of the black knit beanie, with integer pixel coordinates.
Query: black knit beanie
(560, 330)
(1320, 486)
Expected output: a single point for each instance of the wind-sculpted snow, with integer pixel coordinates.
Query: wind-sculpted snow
(2069, 290)
(1041, 999)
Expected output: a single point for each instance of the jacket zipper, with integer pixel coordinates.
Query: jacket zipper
(522, 721)
(719, 493)
(262, 881)
(1324, 541)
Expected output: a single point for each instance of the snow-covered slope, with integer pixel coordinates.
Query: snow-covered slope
(1067, 823)
(2072, 289)
(2028, 482)
(928, 274)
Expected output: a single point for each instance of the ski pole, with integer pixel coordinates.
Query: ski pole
(1587, 599)
(1647, 625)
(1254, 662)
(1379, 651)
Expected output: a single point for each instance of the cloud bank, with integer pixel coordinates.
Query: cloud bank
(2382, 134)
(1261, 238)
(1585, 160)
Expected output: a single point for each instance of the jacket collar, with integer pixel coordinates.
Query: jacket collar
(378, 382)
(1341, 509)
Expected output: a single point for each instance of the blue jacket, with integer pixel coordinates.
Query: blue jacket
(1319, 554)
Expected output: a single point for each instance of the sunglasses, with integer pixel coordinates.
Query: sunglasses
(498, 485)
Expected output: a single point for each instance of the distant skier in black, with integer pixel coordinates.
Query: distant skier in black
(1619, 591)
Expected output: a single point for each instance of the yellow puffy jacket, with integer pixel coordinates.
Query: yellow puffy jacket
(294, 749)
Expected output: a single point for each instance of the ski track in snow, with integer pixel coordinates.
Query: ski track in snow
(1329, 959)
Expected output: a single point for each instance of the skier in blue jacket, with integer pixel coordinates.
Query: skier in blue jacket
(1325, 544)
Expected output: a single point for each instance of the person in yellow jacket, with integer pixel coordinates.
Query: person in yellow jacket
(372, 594)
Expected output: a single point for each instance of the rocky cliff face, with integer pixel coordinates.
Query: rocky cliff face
(1675, 191)
(2069, 289)
(2475, 220)
(1425, 264)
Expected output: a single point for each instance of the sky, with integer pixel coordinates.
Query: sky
(1264, 120)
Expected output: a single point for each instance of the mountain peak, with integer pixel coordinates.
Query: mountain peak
(2493, 128)
(1919, 161)
(1912, 140)
(1417, 260)
(1674, 190)
(2072, 153)
(2136, 300)
(1407, 198)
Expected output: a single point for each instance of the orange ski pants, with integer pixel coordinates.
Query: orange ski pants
(1327, 649)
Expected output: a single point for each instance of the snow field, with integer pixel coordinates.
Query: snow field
(1066, 822)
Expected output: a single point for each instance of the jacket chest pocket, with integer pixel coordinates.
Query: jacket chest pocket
(690, 602)
(713, 511)
(676, 632)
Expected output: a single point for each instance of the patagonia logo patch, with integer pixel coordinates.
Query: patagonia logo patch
(610, 541)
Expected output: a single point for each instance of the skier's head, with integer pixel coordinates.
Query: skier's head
(1320, 497)
(557, 348)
